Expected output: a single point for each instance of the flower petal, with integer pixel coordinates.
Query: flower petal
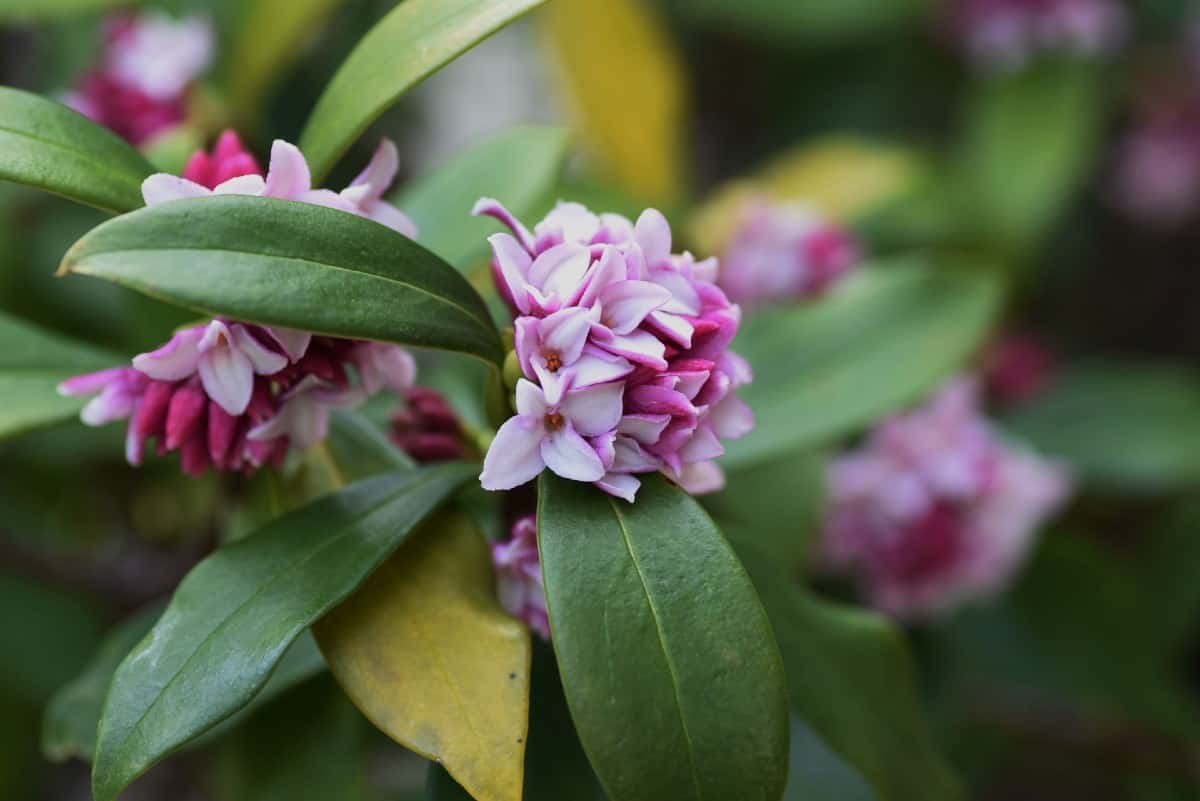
(288, 175)
(264, 360)
(228, 378)
(565, 333)
(626, 304)
(252, 185)
(653, 233)
(294, 342)
(514, 457)
(490, 207)
(512, 263)
(560, 271)
(620, 485)
(570, 456)
(381, 171)
(596, 366)
(162, 188)
(175, 360)
(531, 400)
(595, 410)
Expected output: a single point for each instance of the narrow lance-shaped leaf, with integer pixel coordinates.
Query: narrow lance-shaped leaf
(292, 264)
(669, 665)
(426, 652)
(519, 167)
(45, 145)
(879, 342)
(410, 43)
(32, 364)
(235, 614)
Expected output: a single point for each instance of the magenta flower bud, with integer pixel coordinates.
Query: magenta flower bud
(936, 509)
(229, 160)
(186, 414)
(519, 577)
(1017, 368)
(427, 429)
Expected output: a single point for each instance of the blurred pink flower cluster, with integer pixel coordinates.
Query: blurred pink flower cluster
(236, 396)
(149, 62)
(785, 252)
(1157, 174)
(623, 348)
(1007, 34)
(519, 576)
(935, 509)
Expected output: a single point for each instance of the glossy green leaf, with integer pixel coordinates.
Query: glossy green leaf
(666, 656)
(1122, 426)
(1031, 137)
(518, 167)
(270, 35)
(235, 614)
(427, 653)
(32, 364)
(291, 264)
(414, 40)
(852, 680)
(816, 773)
(360, 449)
(810, 20)
(880, 341)
(48, 146)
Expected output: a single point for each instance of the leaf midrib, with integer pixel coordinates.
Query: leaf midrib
(288, 568)
(662, 643)
(103, 166)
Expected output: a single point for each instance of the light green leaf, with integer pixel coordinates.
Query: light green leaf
(1125, 426)
(32, 364)
(413, 41)
(880, 341)
(1031, 137)
(39, 10)
(852, 680)
(666, 655)
(235, 614)
(48, 146)
(519, 167)
(292, 264)
(428, 655)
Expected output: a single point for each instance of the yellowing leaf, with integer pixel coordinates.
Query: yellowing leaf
(425, 651)
(842, 177)
(623, 79)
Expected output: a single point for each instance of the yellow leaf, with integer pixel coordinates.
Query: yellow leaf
(425, 651)
(624, 81)
(842, 177)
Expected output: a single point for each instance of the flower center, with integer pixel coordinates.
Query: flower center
(554, 421)
(553, 361)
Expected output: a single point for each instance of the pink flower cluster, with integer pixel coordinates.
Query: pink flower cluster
(427, 427)
(785, 252)
(1157, 174)
(149, 63)
(236, 396)
(519, 576)
(935, 509)
(1007, 34)
(623, 347)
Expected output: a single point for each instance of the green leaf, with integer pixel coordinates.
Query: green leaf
(852, 680)
(235, 614)
(670, 670)
(808, 20)
(1124, 426)
(48, 146)
(518, 167)
(882, 340)
(427, 653)
(278, 262)
(360, 449)
(32, 364)
(413, 41)
(311, 747)
(39, 10)
(1031, 137)
(816, 773)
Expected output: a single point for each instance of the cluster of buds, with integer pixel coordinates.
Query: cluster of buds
(139, 89)
(519, 576)
(236, 396)
(623, 353)
(1001, 35)
(935, 509)
(427, 428)
(785, 252)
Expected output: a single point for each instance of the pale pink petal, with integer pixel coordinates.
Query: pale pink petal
(620, 485)
(645, 428)
(554, 384)
(653, 233)
(109, 405)
(264, 360)
(327, 198)
(731, 418)
(623, 306)
(673, 326)
(630, 457)
(90, 383)
(640, 347)
(228, 378)
(565, 333)
(162, 188)
(701, 478)
(569, 455)
(514, 263)
(531, 401)
(560, 270)
(381, 170)
(702, 447)
(594, 410)
(294, 342)
(253, 185)
(514, 457)
(608, 270)
(386, 214)
(490, 207)
(175, 360)
(598, 367)
(288, 176)
(572, 220)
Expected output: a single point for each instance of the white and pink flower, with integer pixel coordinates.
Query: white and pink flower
(935, 509)
(1001, 35)
(624, 350)
(519, 577)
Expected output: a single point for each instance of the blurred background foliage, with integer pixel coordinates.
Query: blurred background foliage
(986, 202)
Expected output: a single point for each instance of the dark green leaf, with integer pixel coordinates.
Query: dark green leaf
(666, 656)
(519, 168)
(879, 342)
(235, 614)
(1120, 425)
(852, 680)
(32, 364)
(48, 146)
(409, 44)
(810, 20)
(816, 773)
(360, 449)
(292, 264)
